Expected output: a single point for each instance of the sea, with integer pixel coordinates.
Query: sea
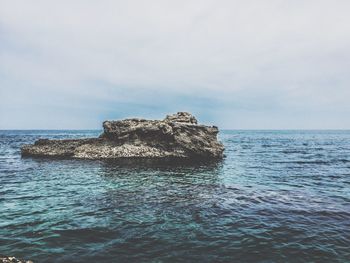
(277, 196)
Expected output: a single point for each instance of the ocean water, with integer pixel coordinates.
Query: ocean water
(278, 196)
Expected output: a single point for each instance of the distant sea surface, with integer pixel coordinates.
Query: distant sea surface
(278, 196)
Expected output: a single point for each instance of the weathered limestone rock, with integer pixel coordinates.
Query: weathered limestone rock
(4, 259)
(177, 136)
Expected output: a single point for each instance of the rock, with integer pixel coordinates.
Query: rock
(177, 136)
(4, 259)
(181, 117)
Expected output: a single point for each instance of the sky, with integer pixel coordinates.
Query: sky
(248, 64)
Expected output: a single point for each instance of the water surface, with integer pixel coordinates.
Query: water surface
(278, 196)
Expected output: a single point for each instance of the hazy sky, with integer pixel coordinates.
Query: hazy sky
(272, 64)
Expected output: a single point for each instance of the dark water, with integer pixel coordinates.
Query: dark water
(279, 196)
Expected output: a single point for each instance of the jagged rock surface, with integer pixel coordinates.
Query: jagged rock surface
(5, 259)
(178, 135)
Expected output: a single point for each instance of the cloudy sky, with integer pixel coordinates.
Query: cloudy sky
(248, 64)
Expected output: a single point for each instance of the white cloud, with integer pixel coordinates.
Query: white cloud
(274, 56)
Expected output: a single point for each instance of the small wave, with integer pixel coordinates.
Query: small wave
(295, 152)
(305, 162)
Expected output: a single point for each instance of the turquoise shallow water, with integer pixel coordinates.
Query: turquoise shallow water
(278, 196)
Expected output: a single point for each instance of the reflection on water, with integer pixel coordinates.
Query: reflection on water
(277, 196)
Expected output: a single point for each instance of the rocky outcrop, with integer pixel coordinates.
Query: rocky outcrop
(4, 259)
(178, 135)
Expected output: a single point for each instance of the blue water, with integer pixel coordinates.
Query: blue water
(278, 196)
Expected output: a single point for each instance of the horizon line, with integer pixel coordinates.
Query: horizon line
(224, 129)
